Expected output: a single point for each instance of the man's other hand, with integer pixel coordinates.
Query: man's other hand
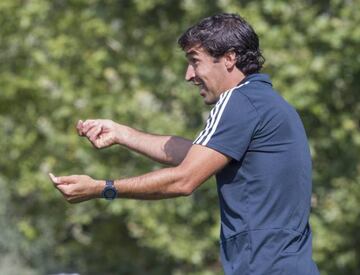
(102, 132)
(78, 188)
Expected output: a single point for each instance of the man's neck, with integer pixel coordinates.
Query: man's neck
(233, 80)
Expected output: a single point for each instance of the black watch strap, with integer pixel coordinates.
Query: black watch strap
(109, 183)
(109, 191)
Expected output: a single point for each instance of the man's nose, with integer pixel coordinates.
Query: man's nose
(190, 73)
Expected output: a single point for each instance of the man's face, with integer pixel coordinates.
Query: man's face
(206, 72)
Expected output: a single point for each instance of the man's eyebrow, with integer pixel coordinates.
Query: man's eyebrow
(190, 53)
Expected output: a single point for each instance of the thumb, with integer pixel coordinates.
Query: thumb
(63, 179)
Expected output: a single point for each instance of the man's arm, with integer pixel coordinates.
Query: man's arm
(169, 150)
(164, 149)
(199, 164)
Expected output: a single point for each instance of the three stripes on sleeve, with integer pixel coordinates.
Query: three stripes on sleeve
(215, 116)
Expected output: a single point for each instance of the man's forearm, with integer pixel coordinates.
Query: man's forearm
(165, 149)
(160, 184)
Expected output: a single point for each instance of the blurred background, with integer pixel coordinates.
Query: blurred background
(61, 61)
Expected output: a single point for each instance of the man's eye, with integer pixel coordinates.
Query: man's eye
(194, 61)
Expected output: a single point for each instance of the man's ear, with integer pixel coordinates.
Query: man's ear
(230, 59)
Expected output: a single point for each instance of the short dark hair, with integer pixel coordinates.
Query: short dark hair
(225, 32)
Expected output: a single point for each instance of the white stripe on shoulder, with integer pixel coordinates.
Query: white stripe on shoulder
(218, 117)
(211, 120)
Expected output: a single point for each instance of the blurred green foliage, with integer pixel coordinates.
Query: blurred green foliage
(65, 60)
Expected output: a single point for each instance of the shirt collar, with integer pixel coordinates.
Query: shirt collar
(257, 77)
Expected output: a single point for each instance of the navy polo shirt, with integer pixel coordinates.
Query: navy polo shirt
(265, 191)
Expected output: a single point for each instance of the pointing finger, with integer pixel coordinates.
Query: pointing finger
(53, 178)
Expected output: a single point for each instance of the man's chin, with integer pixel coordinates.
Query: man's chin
(208, 101)
(207, 97)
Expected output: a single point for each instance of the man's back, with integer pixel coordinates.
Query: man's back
(265, 190)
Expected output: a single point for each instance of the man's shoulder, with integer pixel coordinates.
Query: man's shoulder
(262, 96)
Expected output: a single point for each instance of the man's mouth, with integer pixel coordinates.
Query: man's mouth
(201, 87)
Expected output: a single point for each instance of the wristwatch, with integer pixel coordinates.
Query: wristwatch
(109, 191)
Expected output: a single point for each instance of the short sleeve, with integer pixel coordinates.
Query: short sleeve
(230, 125)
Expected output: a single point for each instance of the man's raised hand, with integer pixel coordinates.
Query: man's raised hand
(101, 132)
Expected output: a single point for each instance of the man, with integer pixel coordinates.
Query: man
(253, 141)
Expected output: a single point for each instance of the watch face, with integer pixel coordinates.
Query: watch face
(109, 193)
